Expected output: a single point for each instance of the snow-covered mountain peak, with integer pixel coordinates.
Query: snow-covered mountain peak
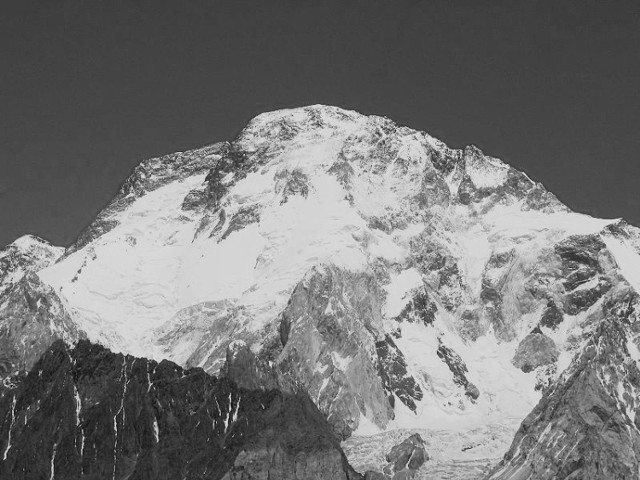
(298, 188)
(32, 316)
(29, 241)
(399, 166)
(28, 253)
(287, 122)
(402, 283)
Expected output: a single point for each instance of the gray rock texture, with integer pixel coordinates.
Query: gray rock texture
(458, 370)
(584, 426)
(32, 315)
(392, 369)
(403, 461)
(328, 333)
(85, 412)
(535, 350)
(150, 175)
(445, 264)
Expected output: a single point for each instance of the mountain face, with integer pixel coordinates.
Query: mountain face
(32, 315)
(396, 282)
(586, 425)
(85, 412)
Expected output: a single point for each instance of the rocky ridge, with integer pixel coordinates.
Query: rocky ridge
(399, 282)
(32, 315)
(403, 460)
(85, 412)
(586, 425)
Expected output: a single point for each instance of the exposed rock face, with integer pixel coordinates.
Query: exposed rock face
(88, 413)
(290, 183)
(387, 275)
(403, 460)
(552, 316)
(584, 277)
(504, 183)
(150, 175)
(32, 316)
(195, 200)
(458, 370)
(535, 350)
(27, 254)
(343, 171)
(247, 371)
(328, 332)
(245, 216)
(419, 309)
(582, 299)
(440, 268)
(586, 426)
(493, 283)
(410, 454)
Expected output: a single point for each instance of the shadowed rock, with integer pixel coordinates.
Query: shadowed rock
(245, 216)
(85, 412)
(150, 175)
(392, 368)
(247, 371)
(458, 370)
(290, 183)
(552, 316)
(535, 350)
(583, 427)
(419, 309)
(194, 200)
(32, 317)
(328, 332)
(404, 460)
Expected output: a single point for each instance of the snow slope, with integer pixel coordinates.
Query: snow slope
(200, 257)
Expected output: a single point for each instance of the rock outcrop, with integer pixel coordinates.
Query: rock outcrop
(586, 425)
(396, 379)
(32, 314)
(535, 350)
(328, 333)
(27, 254)
(85, 412)
(403, 461)
(32, 317)
(459, 370)
(392, 279)
(247, 371)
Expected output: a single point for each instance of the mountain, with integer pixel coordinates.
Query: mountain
(32, 315)
(399, 283)
(85, 412)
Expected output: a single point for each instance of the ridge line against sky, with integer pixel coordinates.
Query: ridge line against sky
(89, 89)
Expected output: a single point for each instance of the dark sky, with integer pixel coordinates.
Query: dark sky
(90, 88)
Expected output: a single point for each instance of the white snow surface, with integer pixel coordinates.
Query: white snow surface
(26, 253)
(453, 454)
(628, 260)
(140, 274)
(134, 280)
(487, 172)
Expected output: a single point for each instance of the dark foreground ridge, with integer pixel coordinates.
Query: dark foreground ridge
(88, 413)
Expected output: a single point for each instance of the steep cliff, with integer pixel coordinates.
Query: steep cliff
(399, 282)
(85, 412)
